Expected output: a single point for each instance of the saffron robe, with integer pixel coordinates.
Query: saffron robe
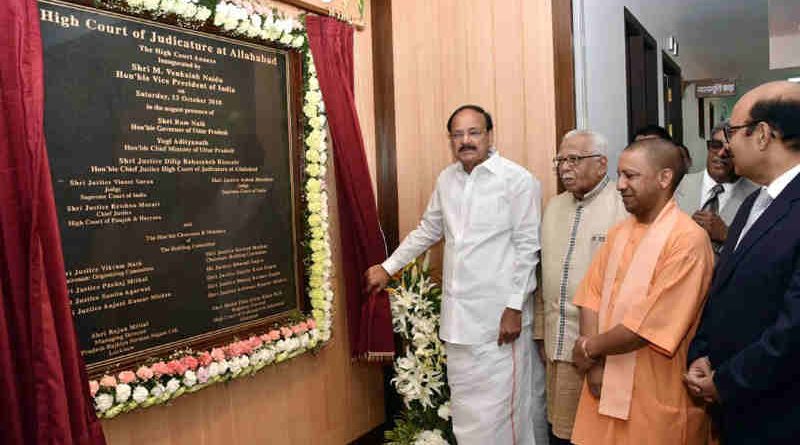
(661, 410)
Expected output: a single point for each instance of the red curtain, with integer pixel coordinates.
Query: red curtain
(369, 317)
(45, 397)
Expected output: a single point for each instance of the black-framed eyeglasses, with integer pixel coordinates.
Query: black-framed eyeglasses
(715, 145)
(728, 130)
(572, 160)
(472, 133)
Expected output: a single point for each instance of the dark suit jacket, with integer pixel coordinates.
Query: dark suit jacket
(750, 328)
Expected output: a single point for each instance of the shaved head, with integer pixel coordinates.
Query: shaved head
(662, 154)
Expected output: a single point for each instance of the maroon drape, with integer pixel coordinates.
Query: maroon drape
(44, 394)
(369, 318)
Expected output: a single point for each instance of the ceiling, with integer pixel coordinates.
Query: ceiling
(718, 38)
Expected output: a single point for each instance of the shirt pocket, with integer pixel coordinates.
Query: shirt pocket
(596, 242)
(491, 212)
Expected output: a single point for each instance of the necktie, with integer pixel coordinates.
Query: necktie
(712, 205)
(763, 200)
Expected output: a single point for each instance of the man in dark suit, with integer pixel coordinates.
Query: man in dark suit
(713, 196)
(745, 358)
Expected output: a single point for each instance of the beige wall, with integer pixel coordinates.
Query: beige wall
(494, 53)
(322, 399)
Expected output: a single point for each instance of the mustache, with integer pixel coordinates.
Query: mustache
(467, 147)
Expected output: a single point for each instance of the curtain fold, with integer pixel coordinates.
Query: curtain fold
(42, 377)
(369, 317)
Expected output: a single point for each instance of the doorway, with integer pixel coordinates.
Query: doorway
(641, 69)
(673, 89)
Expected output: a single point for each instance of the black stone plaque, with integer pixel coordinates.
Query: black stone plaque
(175, 181)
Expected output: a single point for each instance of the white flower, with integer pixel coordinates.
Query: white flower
(135, 4)
(430, 437)
(189, 11)
(157, 390)
(172, 385)
(284, 25)
(233, 365)
(255, 20)
(213, 369)
(123, 392)
(298, 41)
(244, 361)
(150, 5)
(286, 39)
(168, 5)
(189, 378)
(444, 411)
(203, 13)
(103, 402)
(140, 394)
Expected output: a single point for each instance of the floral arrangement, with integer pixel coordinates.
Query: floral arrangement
(187, 371)
(421, 373)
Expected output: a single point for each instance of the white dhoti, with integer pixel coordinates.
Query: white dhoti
(491, 395)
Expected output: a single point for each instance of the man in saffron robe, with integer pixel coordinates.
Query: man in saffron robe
(640, 305)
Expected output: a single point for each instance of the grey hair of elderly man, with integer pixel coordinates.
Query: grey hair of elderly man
(582, 161)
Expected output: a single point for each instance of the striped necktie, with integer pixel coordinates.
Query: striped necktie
(712, 205)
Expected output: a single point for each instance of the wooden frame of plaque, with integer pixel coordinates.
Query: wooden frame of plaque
(70, 180)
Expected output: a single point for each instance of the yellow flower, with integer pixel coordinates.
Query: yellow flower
(309, 110)
(313, 169)
(317, 233)
(316, 294)
(313, 185)
(312, 155)
(317, 246)
(314, 197)
(314, 220)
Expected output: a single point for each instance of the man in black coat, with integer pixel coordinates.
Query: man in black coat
(745, 358)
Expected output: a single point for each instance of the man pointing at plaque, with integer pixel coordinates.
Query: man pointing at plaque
(487, 209)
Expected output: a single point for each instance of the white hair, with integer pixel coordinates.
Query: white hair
(599, 142)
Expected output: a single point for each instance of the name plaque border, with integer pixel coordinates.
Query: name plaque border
(296, 132)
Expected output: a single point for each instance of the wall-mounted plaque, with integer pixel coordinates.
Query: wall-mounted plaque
(175, 181)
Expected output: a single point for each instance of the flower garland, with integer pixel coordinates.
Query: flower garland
(189, 371)
(421, 374)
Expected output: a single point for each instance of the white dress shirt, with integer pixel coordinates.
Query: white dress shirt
(709, 183)
(765, 198)
(490, 223)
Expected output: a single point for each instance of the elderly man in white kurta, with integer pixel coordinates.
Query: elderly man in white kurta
(487, 209)
(575, 224)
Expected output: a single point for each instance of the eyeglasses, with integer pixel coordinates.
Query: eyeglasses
(714, 145)
(459, 135)
(572, 160)
(728, 130)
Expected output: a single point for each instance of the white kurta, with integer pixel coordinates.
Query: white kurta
(490, 223)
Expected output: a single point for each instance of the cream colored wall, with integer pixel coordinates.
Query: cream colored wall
(322, 399)
(494, 53)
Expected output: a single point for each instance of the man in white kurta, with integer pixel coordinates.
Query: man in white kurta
(487, 210)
